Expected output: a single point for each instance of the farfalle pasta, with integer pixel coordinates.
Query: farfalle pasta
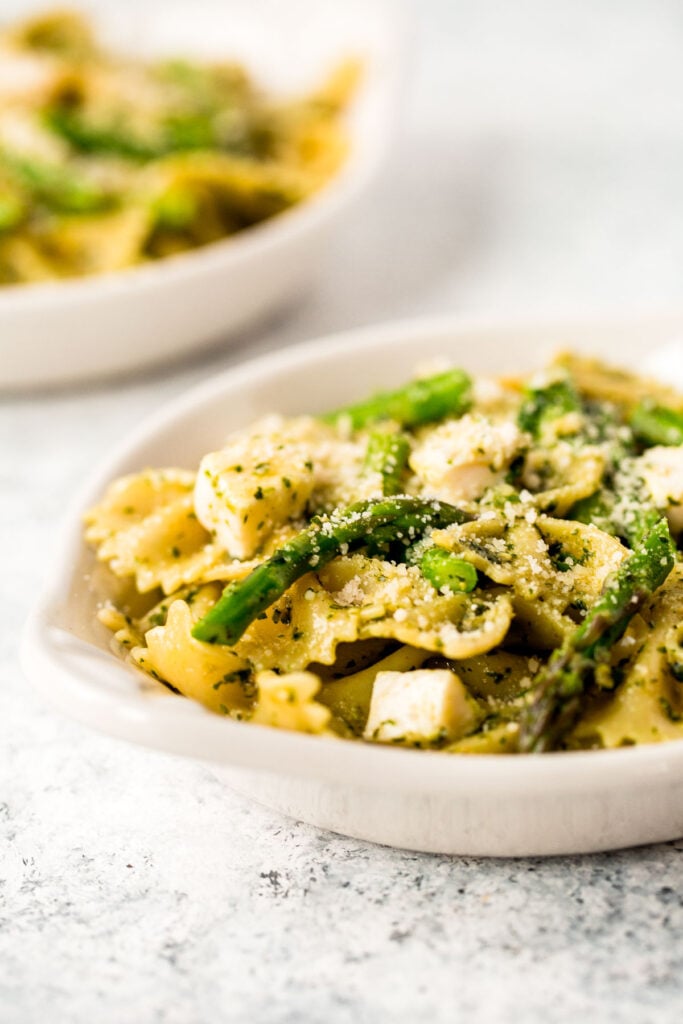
(473, 566)
(108, 161)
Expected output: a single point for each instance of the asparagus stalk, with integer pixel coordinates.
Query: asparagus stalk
(387, 454)
(621, 507)
(95, 139)
(420, 401)
(402, 518)
(657, 424)
(446, 572)
(176, 133)
(558, 688)
(60, 188)
(614, 511)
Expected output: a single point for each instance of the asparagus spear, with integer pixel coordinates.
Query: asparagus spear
(597, 509)
(621, 506)
(420, 401)
(446, 572)
(623, 511)
(657, 424)
(402, 518)
(387, 454)
(557, 693)
(60, 188)
(89, 138)
(176, 133)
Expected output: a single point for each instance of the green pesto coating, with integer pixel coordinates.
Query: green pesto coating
(656, 424)
(424, 400)
(402, 518)
(556, 697)
(541, 405)
(387, 454)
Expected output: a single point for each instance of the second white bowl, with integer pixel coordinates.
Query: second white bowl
(58, 332)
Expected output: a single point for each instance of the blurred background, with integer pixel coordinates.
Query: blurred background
(538, 167)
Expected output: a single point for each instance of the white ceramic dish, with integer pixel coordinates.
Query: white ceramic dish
(59, 332)
(503, 806)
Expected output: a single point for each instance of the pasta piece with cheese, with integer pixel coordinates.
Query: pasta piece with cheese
(462, 459)
(550, 564)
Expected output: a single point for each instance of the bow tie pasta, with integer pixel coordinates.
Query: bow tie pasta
(107, 161)
(469, 566)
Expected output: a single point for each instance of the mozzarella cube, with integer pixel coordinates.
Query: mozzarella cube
(461, 459)
(250, 487)
(661, 468)
(418, 707)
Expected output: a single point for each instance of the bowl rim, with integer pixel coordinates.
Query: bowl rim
(65, 670)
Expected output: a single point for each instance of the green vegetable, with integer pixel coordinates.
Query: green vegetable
(176, 209)
(387, 454)
(91, 138)
(191, 130)
(542, 405)
(657, 424)
(626, 513)
(175, 133)
(622, 506)
(556, 699)
(421, 401)
(12, 211)
(447, 572)
(58, 187)
(597, 509)
(401, 519)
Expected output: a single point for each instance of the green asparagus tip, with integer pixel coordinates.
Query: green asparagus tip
(656, 424)
(424, 400)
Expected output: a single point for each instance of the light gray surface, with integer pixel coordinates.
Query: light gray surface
(539, 168)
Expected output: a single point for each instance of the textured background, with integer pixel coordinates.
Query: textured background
(539, 169)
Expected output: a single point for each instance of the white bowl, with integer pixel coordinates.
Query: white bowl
(57, 332)
(503, 806)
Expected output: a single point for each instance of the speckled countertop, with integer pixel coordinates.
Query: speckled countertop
(540, 167)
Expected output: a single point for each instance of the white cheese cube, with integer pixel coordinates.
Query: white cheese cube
(254, 484)
(459, 460)
(661, 468)
(418, 707)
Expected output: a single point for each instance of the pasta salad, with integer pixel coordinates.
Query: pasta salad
(107, 161)
(464, 565)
